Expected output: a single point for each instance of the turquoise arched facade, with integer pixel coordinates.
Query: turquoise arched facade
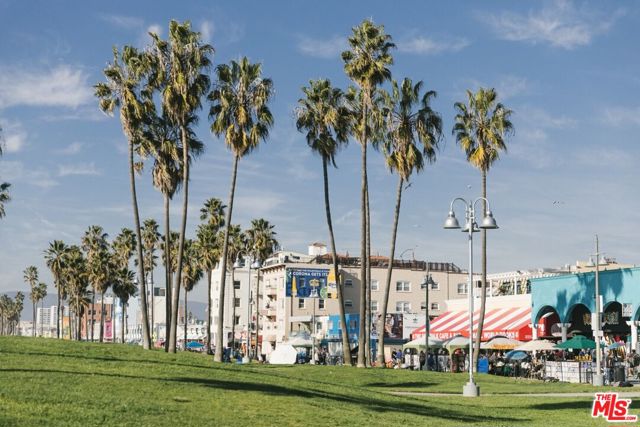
(564, 293)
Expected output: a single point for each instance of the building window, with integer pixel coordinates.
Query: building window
(352, 323)
(348, 303)
(435, 286)
(374, 285)
(320, 303)
(301, 303)
(318, 326)
(403, 307)
(374, 306)
(236, 302)
(348, 282)
(236, 284)
(159, 292)
(463, 288)
(423, 305)
(435, 306)
(237, 322)
(403, 286)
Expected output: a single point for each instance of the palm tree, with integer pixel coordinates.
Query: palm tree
(124, 288)
(150, 239)
(37, 295)
(161, 141)
(366, 63)
(55, 259)
(31, 278)
(76, 278)
(324, 117)
(261, 244)
(237, 249)
(480, 129)
(4, 197)
(240, 112)
(101, 270)
(191, 276)
(122, 90)
(412, 140)
(179, 72)
(94, 243)
(209, 247)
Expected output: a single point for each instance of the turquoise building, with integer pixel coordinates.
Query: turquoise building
(562, 305)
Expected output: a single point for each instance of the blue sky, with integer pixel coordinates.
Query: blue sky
(569, 70)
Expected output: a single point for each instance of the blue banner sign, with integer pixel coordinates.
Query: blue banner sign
(309, 283)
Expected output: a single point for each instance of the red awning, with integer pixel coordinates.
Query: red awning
(512, 322)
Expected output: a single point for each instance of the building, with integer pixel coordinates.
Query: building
(93, 316)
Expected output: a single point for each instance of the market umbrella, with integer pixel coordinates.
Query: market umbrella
(193, 345)
(537, 345)
(516, 355)
(615, 345)
(578, 342)
(418, 343)
(500, 343)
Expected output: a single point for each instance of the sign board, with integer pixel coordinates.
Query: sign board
(627, 310)
(309, 283)
(411, 322)
(393, 326)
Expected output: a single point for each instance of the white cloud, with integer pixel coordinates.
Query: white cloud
(329, 48)
(507, 86)
(13, 137)
(73, 148)
(621, 116)
(78, 169)
(206, 30)
(62, 86)
(122, 21)
(540, 118)
(427, 46)
(559, 24)
(16, 172)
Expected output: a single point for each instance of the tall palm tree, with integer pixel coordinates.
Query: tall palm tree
(122, 89)
(41, 293)
(150, 239)
(55, 259)
(76, 278)
(30, 275)
(180, 75)
(191, 276)
(162, 141)
(101, 271)
(324, 117)
(480, 129)
(94, 243)
(124, 288)
(209, 247)
(236, 250)
(366, 63)
(240, 112)
(412, 140)
(261, 244)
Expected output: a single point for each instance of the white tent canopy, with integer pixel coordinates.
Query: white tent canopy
(284, 354)
(419, 344)
(500, 343)
(537, 345)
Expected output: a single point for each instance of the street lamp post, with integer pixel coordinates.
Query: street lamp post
(428, 281)
(488, 222)
(598, 379)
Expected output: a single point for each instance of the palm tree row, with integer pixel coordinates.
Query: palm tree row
(10, 310)
(38, 291)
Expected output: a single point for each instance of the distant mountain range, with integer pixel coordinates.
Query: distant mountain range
(199, 309)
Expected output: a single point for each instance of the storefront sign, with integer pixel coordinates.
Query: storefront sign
(309, 283)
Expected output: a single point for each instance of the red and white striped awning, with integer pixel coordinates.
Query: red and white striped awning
(512, 322)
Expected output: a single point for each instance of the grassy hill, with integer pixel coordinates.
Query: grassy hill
(51, 382)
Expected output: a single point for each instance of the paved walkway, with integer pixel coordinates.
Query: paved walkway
(631, 394)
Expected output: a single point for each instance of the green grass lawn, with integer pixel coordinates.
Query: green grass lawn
(50, 382)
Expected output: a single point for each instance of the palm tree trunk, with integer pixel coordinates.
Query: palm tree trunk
(93, 309)
(167, 270)
(258, 351)
(368, 285)
(33, 332)
(152, 309)
(184, 343)
(208, 311)
(233, 311)
(58, 320)
(124, 318)
(102, 318)
(146, 341)
(363, 242)
(79, 325)
(183, 228)
(346, 348)
(483, 295)
(223, 265)
(387, 285)
(41, 322)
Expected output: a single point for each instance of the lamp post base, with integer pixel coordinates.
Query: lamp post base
(470, 389)
(598, 380)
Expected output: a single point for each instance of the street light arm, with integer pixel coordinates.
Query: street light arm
(485, 200)
(466, 204)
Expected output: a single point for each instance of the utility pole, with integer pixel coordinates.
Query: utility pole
(598, 379)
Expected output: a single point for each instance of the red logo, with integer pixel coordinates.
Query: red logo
(612, 409)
